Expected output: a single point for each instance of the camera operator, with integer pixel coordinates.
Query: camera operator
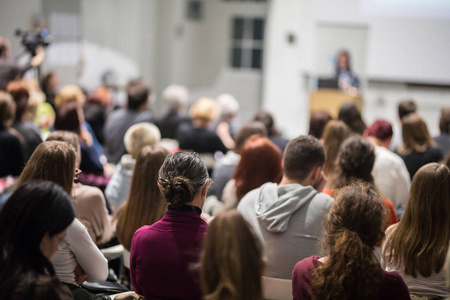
(10, 70)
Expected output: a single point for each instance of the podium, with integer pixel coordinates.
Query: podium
(331, 100)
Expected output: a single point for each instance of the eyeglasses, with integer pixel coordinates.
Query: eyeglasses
(77, 173)
(62, 242)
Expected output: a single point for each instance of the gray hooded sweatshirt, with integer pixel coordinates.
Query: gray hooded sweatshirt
(289, 221)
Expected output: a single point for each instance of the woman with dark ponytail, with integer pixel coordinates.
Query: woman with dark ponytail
(350, 270)
(163, 255)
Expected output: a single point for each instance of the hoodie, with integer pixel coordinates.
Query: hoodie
(289, 221)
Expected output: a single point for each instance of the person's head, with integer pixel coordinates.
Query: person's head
(5, 47)
(7, 110)
(145, 204)
(351, 116)
(204, 109)
(53, 161)
(182, 177)
(50, 82)
(246, 131)
(267, 119)
(69, 93)
(415, 134)
(228, 105)
(406, 107)
(334, 134)
(352, 229)
(317, 122)
(444, 121)
(343, 61)
(250, 173)
(138, 95)
(19, 92)
(68, 117)
(176, 97)
(425, 225)
(231, 259)
(303, 159)
(355, 162)
(140, 135)
(381, 130)
(68, 137)
(32, 222)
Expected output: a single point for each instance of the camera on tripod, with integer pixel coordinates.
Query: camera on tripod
(33, 38)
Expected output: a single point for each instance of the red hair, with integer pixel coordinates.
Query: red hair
(260, 163)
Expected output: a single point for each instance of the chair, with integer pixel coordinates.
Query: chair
(126, 258)
(276, 288)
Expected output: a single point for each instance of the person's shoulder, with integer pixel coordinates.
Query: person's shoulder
(394, 284)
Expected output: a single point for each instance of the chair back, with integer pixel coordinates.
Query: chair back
(276, 288)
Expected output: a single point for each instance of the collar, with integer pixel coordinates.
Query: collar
(186, 208)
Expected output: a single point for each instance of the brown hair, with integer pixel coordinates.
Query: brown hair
(181, 177)
(334, 134)
(68, 137)
(406, 107)
(352, 229)
(7, 110)
(231, 259)
(138, 92)
(53, 161)
(317, 122)
(267, 119)
(351, 116)
(419, 242)
(416, 137)
(68, 117)
(301, 156)
(145, 204)
(247, 130)
(19, 92)
(444, 121)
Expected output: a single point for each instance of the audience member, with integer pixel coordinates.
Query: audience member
(137, 137)
(404, 108)
(231, 264)
(162, 254)
(228, 123)
(418, 148)
(145, 204)
(95, 110)
(288, 217)
(389, 171)
(350, 269)
(351, 116)
(32, 223)
(23, 124)
(250, 172)
(176, 99)
(224, 168)
(272, 132)
(120, 120)
(317, 122)
(88, 201)
(417, 245)
(49, 86)
(443, 140)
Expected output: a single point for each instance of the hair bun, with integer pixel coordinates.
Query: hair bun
(177, 190)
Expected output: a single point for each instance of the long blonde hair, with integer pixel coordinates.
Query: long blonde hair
(145, 204)
(231, 259)
(419, 242)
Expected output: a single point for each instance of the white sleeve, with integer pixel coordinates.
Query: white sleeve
(87, 254)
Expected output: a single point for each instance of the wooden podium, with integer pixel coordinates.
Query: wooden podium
(331, 101)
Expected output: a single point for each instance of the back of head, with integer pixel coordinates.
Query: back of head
(53, 161)
(380, 129)
(5, 45)
(138, 94)
(351, 231)
(181, 177)
(334, 134)
(64, 136)
(69, 93)
(444, 121)
(140, 135)
(420, 240)
(250, 173)
(68, 117)
(301, 156)
(266, 118)
(7, 110)
(356, 160)
(415, 134)
(19, 92)
(351, 116)
(406, 107)
(231, 260)
(228, 105)
(204, 109)
(246, 131)
(176, 97)
(317, 122)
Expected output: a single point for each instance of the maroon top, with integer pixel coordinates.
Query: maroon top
(392, 287)
(163, 255)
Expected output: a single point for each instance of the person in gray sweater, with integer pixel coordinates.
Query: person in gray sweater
(288, 217)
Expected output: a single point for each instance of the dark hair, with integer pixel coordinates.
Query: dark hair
(138, 93)
(351, 230)
(68, 118)
(266, 118)
(34, 209)
(380, 129)
(347, 55)
(301, 156)
(406, 107)
(182, 176)
(350, 115)
(355, 162)
(444, 121)
(20, 94)
(7, 110)
(317, 122)
(246, 131)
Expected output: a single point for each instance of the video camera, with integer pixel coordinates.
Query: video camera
(33, 38)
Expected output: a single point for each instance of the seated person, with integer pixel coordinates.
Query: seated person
(443, 140)
(267, 119)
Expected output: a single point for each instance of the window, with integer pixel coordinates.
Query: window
(247, 43)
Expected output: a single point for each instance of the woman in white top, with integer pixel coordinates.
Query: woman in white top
(417, 245)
